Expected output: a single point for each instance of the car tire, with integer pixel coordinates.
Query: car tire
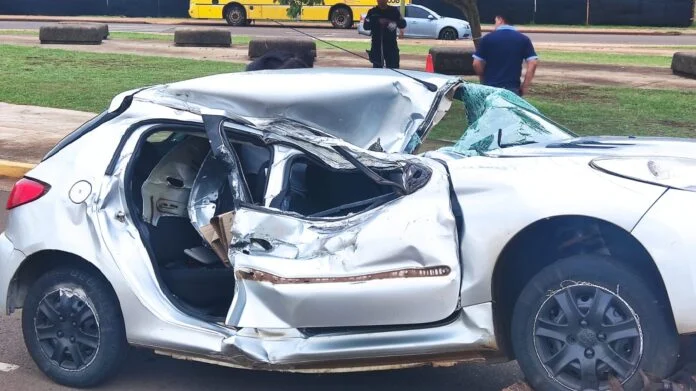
(631, 319)
(235, 15)
(448, 34)
(341, 17)
(96, 335)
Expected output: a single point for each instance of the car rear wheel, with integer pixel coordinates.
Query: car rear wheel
(341, 17)
(73, 327)
(235, 15)
(587, 319)
(448, 34)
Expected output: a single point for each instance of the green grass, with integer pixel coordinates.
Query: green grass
(88, 81)
(605, 58)
(619, 111)
(19, 32)
(599, 111)
(141, 36)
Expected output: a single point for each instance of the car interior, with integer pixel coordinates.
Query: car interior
(194, 276)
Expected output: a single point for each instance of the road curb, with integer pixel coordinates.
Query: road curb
(14, 170)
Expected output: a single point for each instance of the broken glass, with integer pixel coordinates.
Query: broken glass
(499, 119)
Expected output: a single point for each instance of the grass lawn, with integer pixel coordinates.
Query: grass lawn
(600, 111)
(88, 82)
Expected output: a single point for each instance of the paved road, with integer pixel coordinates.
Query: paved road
(147, 371)
(336, 33)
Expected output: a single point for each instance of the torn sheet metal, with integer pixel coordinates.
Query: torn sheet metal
(167, 189)
(360, 106)
(498, 118)
(413, 240)
(470, 330)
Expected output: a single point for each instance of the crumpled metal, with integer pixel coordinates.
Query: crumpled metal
(364, 107)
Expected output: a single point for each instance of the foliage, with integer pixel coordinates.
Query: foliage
(295, 6)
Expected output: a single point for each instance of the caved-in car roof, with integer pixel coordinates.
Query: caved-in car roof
(359, 105)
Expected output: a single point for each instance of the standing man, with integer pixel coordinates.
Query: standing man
(498, 60)
(383, 20)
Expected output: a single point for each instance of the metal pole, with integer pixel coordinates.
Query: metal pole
(403, 8)
(587, 14)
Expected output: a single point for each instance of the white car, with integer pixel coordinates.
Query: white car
(285, 221)
(422, 22)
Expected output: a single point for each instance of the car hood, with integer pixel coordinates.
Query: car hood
(454, 21)
(379, 109)
(602, 146)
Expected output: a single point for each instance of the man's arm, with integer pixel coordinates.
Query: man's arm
(401, 22)
(529, 75)
(479, 67)
(370, 20)
(480, 60)
(532, 60)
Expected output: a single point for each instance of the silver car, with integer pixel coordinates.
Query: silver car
(422, 22)
(307, 233)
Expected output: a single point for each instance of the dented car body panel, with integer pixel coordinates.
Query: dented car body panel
(399, 273)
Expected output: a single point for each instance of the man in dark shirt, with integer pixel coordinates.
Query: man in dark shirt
(383, 20)
(498, 60)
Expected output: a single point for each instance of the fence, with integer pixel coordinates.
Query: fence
(675, 13)
(131, 8)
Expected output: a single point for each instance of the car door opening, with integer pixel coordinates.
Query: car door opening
(183, 196)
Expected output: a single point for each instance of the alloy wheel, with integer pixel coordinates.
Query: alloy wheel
(67, 329)
(585, 334)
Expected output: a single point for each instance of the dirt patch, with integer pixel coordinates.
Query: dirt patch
(570, 93)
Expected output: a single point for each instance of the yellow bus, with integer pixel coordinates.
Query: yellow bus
(341, 13)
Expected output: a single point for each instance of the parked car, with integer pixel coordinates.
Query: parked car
(422, 22)
(310, 234)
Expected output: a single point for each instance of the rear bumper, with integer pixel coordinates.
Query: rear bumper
(10, 260)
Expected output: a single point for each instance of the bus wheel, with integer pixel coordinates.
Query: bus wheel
(341, 17)
(235, 15)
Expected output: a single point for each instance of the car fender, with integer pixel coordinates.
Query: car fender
(500, 197)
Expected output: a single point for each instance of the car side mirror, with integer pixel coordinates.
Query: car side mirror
(431, 17)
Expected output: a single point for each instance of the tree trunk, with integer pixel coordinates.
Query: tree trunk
(470, 10)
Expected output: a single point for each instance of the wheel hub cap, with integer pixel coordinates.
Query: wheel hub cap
(585, 334)
(67, 329)
(587, 338)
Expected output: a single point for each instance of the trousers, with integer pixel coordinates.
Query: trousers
(390, 59)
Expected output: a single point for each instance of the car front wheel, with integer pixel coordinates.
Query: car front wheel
(73, 327)
(586, 321)
(448, 34)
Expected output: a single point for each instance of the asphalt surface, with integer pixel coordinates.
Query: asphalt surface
(327, 33)
(146, 371)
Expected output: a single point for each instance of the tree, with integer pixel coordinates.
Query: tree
(470, 10)
(295, 6)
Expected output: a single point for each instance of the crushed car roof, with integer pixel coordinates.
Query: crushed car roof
(359, 105)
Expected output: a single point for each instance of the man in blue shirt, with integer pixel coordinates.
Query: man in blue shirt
(498, 60)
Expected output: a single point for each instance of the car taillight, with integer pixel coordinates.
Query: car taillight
(25, 191)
